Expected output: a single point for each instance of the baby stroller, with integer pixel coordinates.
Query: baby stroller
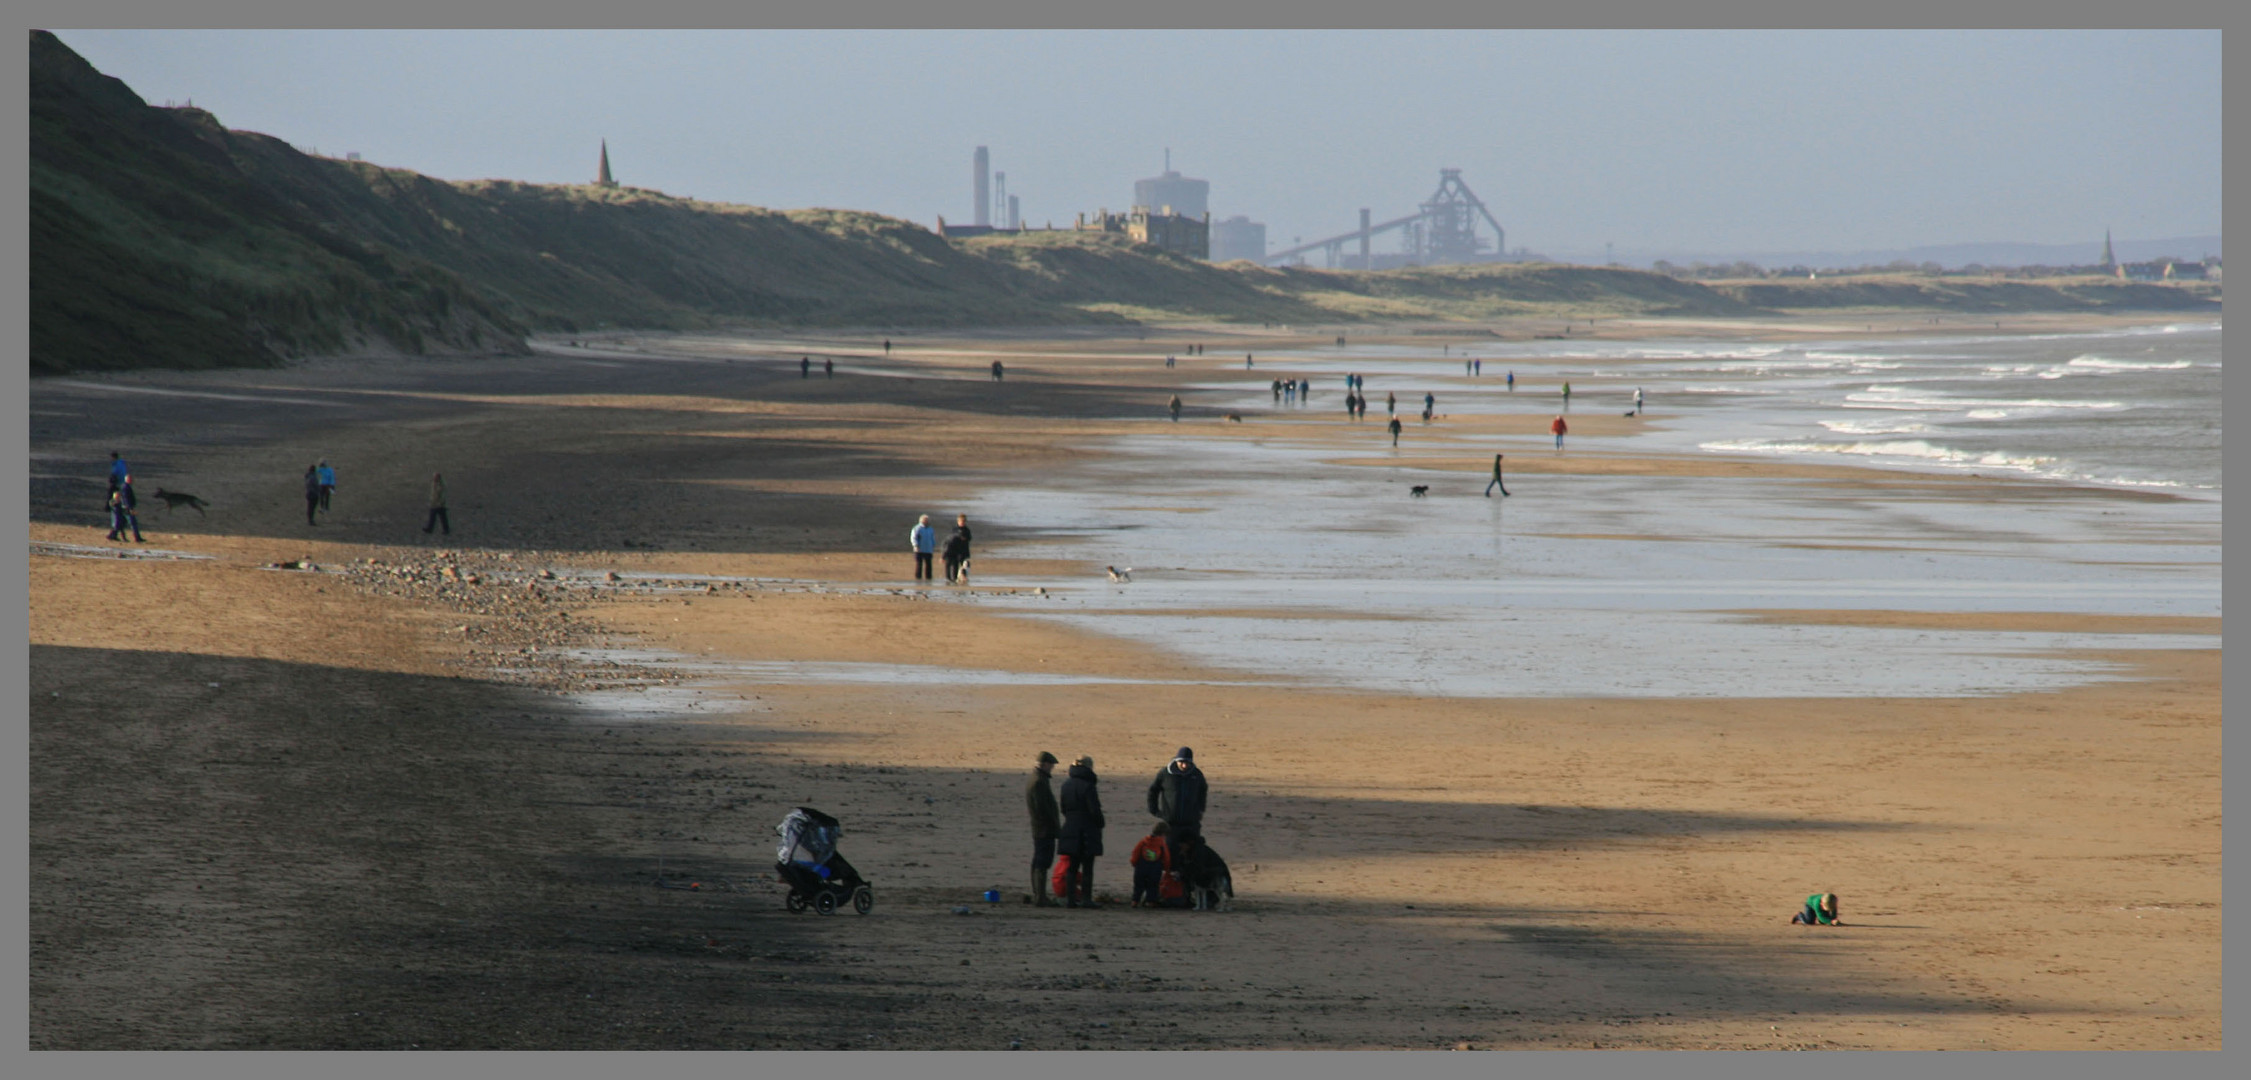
(817, 874)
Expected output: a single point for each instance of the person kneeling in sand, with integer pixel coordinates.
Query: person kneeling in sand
(1152, 865)
(1820, 910)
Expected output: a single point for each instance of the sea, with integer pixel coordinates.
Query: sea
(1271, 554)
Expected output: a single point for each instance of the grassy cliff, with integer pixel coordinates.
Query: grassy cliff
(161, 239)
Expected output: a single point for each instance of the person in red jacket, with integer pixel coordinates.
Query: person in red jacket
(1559, 427)
(1152, 860)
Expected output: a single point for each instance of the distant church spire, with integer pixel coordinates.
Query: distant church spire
(2108, 263)
(606, 180)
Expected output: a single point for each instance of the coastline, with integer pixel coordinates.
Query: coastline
(1583, 870)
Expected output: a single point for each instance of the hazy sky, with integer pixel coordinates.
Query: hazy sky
(1696, 141)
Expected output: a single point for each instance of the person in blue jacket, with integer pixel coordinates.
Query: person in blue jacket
(925, 541)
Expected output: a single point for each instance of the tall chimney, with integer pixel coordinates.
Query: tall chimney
(984, 204)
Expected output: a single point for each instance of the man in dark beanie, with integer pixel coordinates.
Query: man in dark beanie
(1047, 820)
(1176, 797)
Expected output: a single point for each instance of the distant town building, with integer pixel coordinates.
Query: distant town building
(1177, 233)
(1238, 237)
(1173, 193)
(604, 179)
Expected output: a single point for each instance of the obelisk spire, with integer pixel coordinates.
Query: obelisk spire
(2108, 263)
(605, 179)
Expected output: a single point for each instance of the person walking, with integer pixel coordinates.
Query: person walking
(1637, 401)
(1081, 834)
(804, 367)
(886, 347)
(1430, 405)
(1395, 433)
(438, 505)
(122, 517)
(1174, 406)
(1478, 367)
(1496, 483)
(1567, 397)
(997, 371)
(1176, 797)
(1559, 428)
(828, 367)
(924, 540)
(312, 493)
(327, 484)
(957, 552)
(1390, 403)
(117, 470)
(1512, 381)
(1276, 386)
(1047, 822)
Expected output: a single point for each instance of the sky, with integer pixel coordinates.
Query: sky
(1657, 142)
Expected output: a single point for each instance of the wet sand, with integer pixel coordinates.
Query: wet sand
(365, 837)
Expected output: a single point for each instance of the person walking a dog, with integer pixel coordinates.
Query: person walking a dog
(312, 493)
(438, 505)
(957, 552)
(1496, 480)
(1081, 834)
(924, 540)
(121, 516)
(1176, 797)
(1047, 822)
(327, 484)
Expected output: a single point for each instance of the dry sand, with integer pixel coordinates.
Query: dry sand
(361, 836)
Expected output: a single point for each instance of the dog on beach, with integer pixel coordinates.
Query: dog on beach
(173, 500)
(1119, 577)
(1419, 490)
(1204, 874)
(1234, 418)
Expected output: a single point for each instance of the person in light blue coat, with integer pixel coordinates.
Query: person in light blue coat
(925, 542)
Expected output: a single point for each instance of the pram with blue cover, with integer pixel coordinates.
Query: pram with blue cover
(817, 874)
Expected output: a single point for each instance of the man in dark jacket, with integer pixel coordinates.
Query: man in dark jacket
(1047, 820)
(1081, 836)
(1176, 797)
(957, 550)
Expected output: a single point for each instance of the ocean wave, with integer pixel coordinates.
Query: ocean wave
(1910, 448)
(1888, 396)
(1874, 427)
(2091, 364)
(1922, 452)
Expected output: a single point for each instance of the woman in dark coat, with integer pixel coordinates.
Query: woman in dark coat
(1081, 837)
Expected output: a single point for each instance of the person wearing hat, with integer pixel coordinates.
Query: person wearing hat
(1176, 797)
(1081, 835)
(1047, 821)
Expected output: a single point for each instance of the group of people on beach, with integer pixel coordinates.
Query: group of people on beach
(924, 540)
(1067, 833)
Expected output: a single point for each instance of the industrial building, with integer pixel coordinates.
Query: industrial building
(1238, 237)
(1172, 193)
(1177, 233)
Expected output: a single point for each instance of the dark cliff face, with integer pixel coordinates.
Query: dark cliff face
(157, 240)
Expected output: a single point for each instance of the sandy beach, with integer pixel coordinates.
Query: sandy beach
(1545, 772)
